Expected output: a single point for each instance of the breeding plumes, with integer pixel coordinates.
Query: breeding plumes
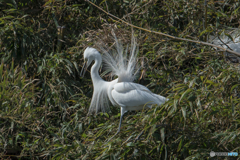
(121, 91)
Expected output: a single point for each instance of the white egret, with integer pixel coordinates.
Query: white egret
(121, 91)
(232, 43)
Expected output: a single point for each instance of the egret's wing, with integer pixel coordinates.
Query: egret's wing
(124, 87)
(226, 42)
(234, 46)
(132, 94)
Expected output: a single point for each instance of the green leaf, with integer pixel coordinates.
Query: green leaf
(1, 70)
(233, 87)
(106, 115)
(184, 112)
(180, 145)
(185, 93)
(163, 134)
(212, 83)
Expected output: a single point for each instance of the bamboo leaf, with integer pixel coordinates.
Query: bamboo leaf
(185, 94)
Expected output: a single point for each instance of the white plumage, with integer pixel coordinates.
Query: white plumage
(121, 91)
(232, 43)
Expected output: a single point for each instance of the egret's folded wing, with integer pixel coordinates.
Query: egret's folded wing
(127, 86)
(132, 94)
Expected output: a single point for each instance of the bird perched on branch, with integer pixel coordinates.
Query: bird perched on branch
(121, 91)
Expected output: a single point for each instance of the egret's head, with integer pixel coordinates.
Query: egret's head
(89, 55)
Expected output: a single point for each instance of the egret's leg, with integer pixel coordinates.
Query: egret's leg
(123, 110)
(120, 123)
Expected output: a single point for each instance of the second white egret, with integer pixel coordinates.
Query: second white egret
(121, 91)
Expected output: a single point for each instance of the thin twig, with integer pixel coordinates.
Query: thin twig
(106, 6)
(224, 43)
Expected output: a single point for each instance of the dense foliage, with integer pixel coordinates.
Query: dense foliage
(44, 103)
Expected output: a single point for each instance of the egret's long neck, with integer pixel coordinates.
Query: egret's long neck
(94, 70)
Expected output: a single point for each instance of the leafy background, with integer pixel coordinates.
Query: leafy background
(44, 103)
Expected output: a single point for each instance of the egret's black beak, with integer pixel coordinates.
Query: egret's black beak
(84, 68)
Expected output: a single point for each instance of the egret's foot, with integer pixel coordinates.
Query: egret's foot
(113, 136)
